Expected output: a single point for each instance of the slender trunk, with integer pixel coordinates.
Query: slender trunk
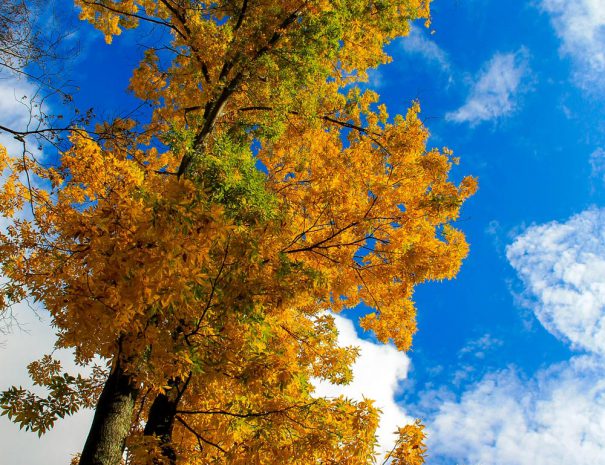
(112, 421)
(160, 421)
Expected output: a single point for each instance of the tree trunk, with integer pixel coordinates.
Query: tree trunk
(160, 421)
(112, 421)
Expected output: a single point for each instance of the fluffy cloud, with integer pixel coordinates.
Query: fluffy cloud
(378, 372)
(580, 24)
(563, 267)
(494, 93)
(556, 417)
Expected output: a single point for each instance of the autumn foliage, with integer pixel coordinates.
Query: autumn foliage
(200, 253)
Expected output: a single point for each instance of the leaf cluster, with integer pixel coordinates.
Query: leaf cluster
(66, 395)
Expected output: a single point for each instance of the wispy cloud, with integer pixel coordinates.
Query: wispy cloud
(420, 42)
(479, 347)
(597, 165)
(580, 24)
(375, 362)
(495, 91)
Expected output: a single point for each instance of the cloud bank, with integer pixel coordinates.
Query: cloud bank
(15, 96)
(556, 417)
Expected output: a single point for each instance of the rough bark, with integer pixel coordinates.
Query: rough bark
(160, 421)
(112, 421)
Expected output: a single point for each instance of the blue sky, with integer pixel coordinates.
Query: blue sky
(506, 368)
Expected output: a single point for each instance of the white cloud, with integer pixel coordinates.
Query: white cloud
(418, 42)
(562, 266)
(580, 24)
(494, 94)
(378, 372)
(556, 418)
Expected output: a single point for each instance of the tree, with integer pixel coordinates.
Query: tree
(200, 252)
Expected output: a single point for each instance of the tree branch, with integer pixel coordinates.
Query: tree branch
(244, 415)
(199, 436)
(240, 18)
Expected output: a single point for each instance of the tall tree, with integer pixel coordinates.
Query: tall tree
(200, 252)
